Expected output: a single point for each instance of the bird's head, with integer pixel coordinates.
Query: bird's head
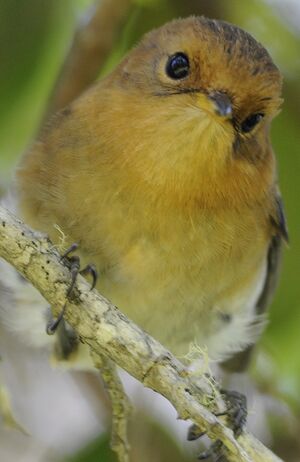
(202, 95)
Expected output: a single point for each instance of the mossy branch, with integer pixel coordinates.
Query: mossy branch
(108, 332)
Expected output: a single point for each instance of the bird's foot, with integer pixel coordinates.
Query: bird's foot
(215, 453)
(73, 263)
(236, 413)
(194, 433)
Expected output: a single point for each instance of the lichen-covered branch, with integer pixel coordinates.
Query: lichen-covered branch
(121, 407)
(107, 331)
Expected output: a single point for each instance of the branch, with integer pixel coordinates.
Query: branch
(91, 46)
(121, 408)
(107, 331)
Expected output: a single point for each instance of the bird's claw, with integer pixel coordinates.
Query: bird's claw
(216, 450)
(73, 263)
(53, 324)
(69, 250)
(215, 453)
(236, 413)
(194, 433)
(236, 410)
(90, 269)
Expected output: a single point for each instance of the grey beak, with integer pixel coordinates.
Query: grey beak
(223, 104)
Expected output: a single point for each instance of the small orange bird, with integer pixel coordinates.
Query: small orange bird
(163, 173)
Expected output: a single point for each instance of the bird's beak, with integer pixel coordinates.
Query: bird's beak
(222, 104)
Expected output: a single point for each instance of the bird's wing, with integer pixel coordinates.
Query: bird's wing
(239, 362)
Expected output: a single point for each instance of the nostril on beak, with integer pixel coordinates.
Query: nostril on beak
(222, 102)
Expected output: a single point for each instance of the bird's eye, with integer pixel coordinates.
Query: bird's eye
(178, 66)
(250, 122)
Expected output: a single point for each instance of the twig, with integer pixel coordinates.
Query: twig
(91, 46)
(107, 331)
(121, 407)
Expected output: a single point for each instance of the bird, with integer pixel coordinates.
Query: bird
(164, 175)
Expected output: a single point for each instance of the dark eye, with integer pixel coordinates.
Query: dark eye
(178, 66)
(250, 122)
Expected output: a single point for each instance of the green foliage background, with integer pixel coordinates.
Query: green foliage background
(34, 38)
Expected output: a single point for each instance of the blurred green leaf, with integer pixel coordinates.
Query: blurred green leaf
(34, 36)
(96, 451)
